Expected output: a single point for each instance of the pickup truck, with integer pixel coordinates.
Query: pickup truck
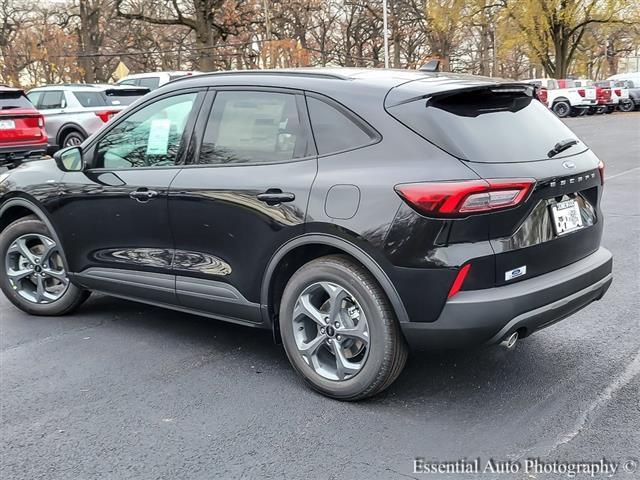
(604, 95)
(566, 99)
(619, 95)
(632, 81)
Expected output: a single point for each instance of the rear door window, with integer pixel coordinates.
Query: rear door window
(336, 130)
(486, 125)
(253, 127)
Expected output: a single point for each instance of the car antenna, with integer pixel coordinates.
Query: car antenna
(430, 66)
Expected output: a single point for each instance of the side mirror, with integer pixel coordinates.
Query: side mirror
(69, 159)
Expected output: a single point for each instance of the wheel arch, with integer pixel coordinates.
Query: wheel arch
(19, 207)
(68, 128)
(560, 99)
(305, 248)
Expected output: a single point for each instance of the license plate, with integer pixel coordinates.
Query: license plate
(7, 124)
(566, 217)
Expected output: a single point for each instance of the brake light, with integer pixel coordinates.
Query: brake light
(601, 170)
(106, 115)
(463, 198)
(542, 95)
(618, 92)
(459, 280)
(581, 92)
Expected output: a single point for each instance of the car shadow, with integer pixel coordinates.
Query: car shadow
(481, 379)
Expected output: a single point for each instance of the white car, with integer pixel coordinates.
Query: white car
(153, 80)
(568, 100)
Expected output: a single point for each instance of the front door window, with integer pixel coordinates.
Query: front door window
(151, 137)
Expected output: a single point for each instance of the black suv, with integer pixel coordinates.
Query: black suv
(350, 211)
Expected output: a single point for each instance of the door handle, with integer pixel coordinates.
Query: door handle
(143, 195)
(275, 196)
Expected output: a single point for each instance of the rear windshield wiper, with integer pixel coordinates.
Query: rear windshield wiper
(561, 146)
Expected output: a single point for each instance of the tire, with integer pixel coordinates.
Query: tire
(24, 247)
(380, 361)
(562, 109)
(610, 109)
(72, 138)
(592, 110)
(627, 106)
(600, 110)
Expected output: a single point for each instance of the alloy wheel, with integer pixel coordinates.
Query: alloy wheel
(35, 270)
(72, 141)
(331, 331)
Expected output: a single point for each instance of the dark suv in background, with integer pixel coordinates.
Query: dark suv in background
(349, 211)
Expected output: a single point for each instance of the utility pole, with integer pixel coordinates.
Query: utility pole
(386, 33)
(267, 23)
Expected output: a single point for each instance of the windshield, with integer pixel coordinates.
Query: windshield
(487, 126)
(11, 100)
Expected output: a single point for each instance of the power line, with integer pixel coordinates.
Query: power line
(182, 50)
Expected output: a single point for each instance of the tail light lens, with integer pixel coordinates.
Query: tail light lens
(542, 95)
(618, 92)
(460, 199)
(459, 280)
(601, 170)
(581, 92)
(106, 115)
(35, 121)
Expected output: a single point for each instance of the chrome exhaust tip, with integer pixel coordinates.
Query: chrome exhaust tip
(510, 341)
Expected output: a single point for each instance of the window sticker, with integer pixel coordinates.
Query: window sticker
(158, 142)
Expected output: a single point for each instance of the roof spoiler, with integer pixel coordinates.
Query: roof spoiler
(123, 91)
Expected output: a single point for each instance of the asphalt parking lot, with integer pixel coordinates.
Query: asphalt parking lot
(121, 390)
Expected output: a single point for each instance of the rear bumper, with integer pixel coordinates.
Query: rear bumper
(488, 316)
(20, 152)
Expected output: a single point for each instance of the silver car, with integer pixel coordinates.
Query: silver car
(72, 112)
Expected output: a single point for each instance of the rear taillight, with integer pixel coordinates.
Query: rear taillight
(459, 280)
(35, 121)
(542, 95)
(106, 115)
(463, 198)
(618, 92)
(581, 92)
(601, 170)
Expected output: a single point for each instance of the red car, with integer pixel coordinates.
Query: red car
(22, 133)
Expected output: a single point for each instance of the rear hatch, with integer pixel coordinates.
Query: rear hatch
(20, 123)
(501, 131)
(108, 102)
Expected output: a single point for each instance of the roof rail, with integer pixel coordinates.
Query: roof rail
(271, 72)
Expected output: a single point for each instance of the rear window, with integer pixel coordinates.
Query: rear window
(91, 99)
(10, 100)
(487, 126)
(122, 96)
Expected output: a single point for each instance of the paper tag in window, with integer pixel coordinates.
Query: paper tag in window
(158, 142)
